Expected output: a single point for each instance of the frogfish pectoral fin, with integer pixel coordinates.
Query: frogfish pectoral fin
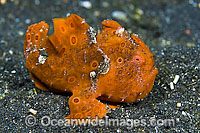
(38, 83)
(85, 105)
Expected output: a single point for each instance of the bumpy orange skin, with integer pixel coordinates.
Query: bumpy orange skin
(112, 65)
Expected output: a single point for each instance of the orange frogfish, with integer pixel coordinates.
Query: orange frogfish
(110, 65)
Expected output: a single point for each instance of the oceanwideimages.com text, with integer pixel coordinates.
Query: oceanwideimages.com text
(46, 121)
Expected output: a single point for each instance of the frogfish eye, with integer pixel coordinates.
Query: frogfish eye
(138, 59)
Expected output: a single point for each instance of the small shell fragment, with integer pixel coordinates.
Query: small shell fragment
(176, 79)
(13, 71)
(171, 84)
(20, 33)
(120, 15)
(184, 113)
(33, 111)
(178, 105)
(2, 2)
(86, 4)
(10, 52)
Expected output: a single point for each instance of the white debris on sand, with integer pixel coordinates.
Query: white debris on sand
(86, 4)
(171, 84)
(178, 105)
(20, 33)
(10, 52)
(176, 79)
(13, 71)
(120, 15)
(33, 111)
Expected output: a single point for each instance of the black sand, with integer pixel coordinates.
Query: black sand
(171, 30)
